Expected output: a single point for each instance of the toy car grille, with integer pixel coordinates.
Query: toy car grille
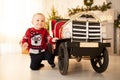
(86, 31)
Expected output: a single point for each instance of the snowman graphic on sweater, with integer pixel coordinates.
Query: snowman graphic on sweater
(36, 40)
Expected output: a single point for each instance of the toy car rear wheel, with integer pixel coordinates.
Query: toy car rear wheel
(63, 59)
(100, 63)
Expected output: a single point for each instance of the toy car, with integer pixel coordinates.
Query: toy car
(80, 36)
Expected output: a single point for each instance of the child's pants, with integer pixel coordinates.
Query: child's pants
(36, 59)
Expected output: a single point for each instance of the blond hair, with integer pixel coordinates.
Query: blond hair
(38, 14)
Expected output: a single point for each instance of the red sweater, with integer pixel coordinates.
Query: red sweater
(37, 39)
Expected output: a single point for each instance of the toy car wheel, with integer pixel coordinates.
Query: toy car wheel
(63, 59)
(100, 63)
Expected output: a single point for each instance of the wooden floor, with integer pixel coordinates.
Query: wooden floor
(16, 67)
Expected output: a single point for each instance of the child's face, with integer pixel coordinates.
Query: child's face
(38, 21)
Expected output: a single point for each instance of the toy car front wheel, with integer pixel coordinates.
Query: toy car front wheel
(100, 63)
(63, 59)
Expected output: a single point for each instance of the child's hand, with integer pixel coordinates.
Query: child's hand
(55, 39)
(25, 45)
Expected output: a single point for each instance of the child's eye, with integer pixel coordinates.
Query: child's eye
(38, 20)
(42, 21)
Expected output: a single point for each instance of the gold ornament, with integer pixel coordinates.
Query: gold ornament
(88, 2)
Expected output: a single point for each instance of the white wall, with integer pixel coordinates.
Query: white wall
(115, 5)
(15, 18)
(62, 5)
(16, 14)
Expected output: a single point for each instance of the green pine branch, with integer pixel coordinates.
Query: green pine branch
(102, 8)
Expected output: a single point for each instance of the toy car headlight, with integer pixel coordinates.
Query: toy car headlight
(67, 30)
(66, 34)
